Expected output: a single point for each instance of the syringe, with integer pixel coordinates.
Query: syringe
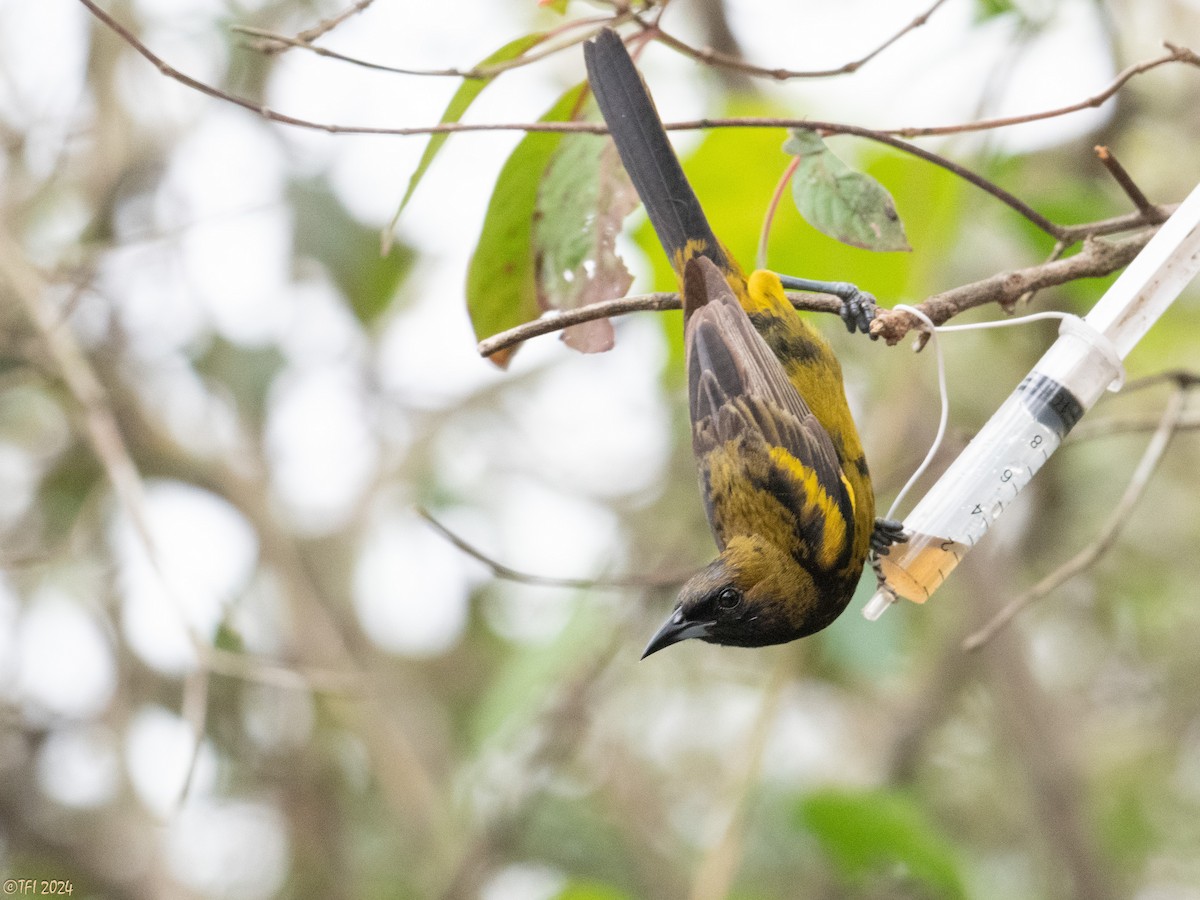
(1031, 424)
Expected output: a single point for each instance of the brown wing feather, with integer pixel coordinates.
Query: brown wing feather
(738, 390)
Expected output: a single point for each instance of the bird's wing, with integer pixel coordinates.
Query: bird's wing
(768, 464)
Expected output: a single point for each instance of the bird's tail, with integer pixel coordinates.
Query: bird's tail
(648, 157)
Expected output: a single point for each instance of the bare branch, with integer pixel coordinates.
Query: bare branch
(325, 26)
(658, 302)
(1124, 180)
(1100, 260)
(733, 63)
(1097, 258)
(500, 570)
(1175, 54)
(1085, 558)
(270, 40)
(1113, 427)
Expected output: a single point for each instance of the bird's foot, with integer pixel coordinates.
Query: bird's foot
(886, 533)
(858, 307)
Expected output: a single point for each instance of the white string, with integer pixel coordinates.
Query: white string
(933, 331)
(999, 323)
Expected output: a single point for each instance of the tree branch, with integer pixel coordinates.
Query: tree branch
(269, 41)
(507, 573)
(1132, 191)
(325, 26)
(1175, 53)
(657, 302)
(725, 61)
(1097, 258)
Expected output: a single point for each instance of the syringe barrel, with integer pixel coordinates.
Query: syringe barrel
(1002, 458)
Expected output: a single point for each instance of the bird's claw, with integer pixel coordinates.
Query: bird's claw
(886, 533)
(858, 309)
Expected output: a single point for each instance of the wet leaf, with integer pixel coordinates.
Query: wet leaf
(582, 201)
(501, 280)
(838, 201)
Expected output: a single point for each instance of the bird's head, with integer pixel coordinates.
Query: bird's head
(752, 595)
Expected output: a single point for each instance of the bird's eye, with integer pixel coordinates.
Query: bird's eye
(729, 598)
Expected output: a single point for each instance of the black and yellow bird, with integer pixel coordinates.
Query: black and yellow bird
(782, 471)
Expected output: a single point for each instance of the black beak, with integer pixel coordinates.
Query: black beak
(677, 628)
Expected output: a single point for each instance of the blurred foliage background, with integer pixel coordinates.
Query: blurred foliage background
(308, 692)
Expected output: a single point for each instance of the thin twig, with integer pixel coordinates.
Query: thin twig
(1114, 427)
(477, 72)
(657, 302)
(500, 570)
(194, 711)
(890, 137)
(1125, 222)
(1117, 171)
(725, 61)
(1175, 54)
(1090, 429)
(1186, 378)
(1087, 557)
(325, 26)
(773, 205)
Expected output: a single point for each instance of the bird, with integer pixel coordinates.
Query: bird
(785, 483)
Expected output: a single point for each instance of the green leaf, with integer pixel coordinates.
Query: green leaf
(459, 104)
(840, 202)
(875, 833)
(501, 281)
(559, 6)
(348, 250)
(228, 639)
(991, 9)
(582, 201)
